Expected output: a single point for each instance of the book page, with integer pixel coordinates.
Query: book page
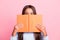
(23, 19)
(33, 21)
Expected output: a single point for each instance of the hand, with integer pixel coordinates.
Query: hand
(41, 28)
(16, 28)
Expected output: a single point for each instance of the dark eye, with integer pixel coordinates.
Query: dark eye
(31, 13)
(26, 13)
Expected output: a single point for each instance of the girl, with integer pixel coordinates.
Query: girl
(29, 10)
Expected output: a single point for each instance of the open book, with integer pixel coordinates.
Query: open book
(29, 22)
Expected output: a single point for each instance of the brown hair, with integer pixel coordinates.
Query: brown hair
(29, 6)
(36, 34)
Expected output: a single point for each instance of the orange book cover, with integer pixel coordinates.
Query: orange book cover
(29, 22)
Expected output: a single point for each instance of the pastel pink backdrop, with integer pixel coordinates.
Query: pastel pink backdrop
(50, 9)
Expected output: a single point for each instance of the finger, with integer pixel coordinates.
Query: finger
(38, 26)
(16, 26)
(20, 25)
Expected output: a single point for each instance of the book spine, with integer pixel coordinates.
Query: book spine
(28, 23)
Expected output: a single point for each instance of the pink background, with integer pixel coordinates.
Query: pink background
(50, 9)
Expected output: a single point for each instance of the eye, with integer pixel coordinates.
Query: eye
(26, 13)
(31, 13)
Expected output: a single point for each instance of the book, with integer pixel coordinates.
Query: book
(29, 22)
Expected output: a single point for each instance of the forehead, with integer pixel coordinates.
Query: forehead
(28, 10)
